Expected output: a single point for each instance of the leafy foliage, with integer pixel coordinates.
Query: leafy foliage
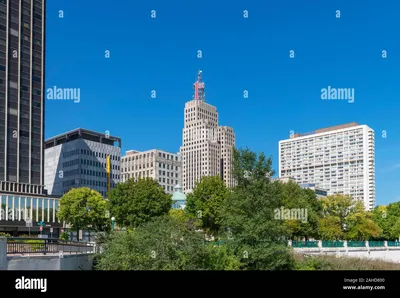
(345, 218)
(133, 203)
(259, 240)
(294, 197)
(388, 219)
(64, 236)
(178, 216)
(84, 208)
(330, 228)
(206, 203)
(242, 219)
(163, 244)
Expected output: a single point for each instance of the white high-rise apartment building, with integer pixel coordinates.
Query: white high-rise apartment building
(207, 147)
(340, 159)
(165, 167)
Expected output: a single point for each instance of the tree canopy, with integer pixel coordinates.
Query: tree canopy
(345, 218)
(248, 234)
(135, 202)
(163, 244)
(84, 209)
(388, 219)
(258, 239)
(206, 203)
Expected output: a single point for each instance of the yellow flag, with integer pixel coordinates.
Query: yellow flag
(108, 172)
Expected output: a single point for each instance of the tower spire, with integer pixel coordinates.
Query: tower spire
(198, 87)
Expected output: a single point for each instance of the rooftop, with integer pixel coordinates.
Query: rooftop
(322, 130)
(80, 133)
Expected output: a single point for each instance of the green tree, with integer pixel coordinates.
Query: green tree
(206, 203)
(163, 244)
(295, 197)
(330, 228)
(339, 206)
(257, 238)
(84, 208)
(135, 202)
(178, 215)
(388, 219)
(360, 225)
(355, 223)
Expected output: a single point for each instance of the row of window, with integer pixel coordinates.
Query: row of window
(87, 162)
(96, 163)
(174, 182)
(82, 182)
(168, 173)
(23, 208)
(167, 156)
(98, 174)
(150, 166)
(99, 154)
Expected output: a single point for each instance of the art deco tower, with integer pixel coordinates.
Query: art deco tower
(206, 147)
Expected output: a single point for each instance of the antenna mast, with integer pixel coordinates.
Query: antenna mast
(199, 87)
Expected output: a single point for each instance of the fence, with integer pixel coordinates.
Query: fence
(48, 245)
(352, 244)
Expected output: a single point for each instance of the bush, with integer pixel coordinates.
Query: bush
(37, 245)
(163, 244)
(27, 236)
(64, 236)
(2, 234)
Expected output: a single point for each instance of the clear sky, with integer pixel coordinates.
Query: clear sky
(238, 54)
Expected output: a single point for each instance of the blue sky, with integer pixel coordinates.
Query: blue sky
(238, 54)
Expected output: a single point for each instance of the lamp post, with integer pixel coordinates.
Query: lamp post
(112, 223)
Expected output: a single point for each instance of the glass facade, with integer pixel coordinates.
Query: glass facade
(21, 94)
(17, 208)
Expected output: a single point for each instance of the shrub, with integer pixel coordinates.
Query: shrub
(2, 234)
(36, 245)
(64, 236)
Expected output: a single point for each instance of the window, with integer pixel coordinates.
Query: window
(14, 32)
(13, 85)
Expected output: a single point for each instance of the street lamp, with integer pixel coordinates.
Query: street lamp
(112, 223)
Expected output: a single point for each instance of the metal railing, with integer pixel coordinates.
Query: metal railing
(47, 245)
(393, 243)
(356, 243)
(348, 244)
(332, 244)
(301, 244)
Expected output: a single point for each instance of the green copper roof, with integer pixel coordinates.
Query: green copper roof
(178, 195)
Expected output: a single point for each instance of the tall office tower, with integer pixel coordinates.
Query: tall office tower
(340, 159)
(226, 138)
(207, 147)
(165, 167)
(22, 60)
(82, 158)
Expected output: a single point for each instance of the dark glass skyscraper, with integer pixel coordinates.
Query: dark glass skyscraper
(22, 62)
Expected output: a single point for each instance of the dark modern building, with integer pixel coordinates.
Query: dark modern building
(22, 46)
(22, 61)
